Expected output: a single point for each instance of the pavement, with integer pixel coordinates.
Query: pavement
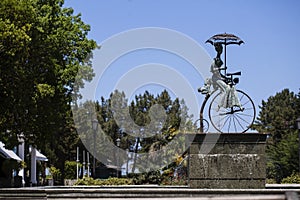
(272, 192)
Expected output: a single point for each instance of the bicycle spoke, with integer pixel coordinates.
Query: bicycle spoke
(246, 115)
(225, 121)
(248, 109)
(242, 97)
(242, 119)
(228, 129)
(239, 122)
(219, 123)
(221, 119)
(246, 103)
(219, 114)
(234, 124)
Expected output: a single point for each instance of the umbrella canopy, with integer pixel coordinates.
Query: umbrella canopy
(225, 39)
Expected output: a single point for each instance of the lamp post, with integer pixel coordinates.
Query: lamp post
(77, 163)
(88, 164)
(127, 162)
(298, 127)
(118, 145)
(83, 164)
(95, 127)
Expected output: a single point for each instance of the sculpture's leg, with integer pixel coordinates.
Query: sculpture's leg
(235, 101)
(225, 89)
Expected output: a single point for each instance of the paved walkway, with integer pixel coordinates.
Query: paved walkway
(147, 193)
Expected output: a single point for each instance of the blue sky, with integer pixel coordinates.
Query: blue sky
(270, 29)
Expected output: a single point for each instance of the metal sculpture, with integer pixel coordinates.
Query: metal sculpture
(230, 110)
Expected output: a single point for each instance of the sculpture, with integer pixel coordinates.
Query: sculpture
(230, 110)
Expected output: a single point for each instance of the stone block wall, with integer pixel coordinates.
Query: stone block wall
(227, 161)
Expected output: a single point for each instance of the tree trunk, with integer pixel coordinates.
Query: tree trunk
(135, 155)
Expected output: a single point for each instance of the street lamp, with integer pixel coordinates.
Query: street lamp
(298, 127)
(95, 127)
(127, 160)
(118, 145)
(77, 163)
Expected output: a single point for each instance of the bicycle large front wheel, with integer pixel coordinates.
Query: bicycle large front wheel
(233, 119)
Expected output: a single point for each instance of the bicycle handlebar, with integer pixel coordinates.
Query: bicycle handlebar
(234, 74)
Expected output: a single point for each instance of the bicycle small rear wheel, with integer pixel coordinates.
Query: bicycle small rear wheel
(232, 119)
(204, 128)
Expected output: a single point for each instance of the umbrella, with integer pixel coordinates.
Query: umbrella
(225, 39)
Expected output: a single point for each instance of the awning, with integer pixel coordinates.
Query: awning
(40, 156)
(8, 154)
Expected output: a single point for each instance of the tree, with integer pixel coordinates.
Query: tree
(277, 117)
(42, 48)
(133, 125)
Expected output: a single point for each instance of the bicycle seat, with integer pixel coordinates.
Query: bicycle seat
(232, 74)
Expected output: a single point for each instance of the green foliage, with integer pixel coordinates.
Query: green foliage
(70, 169)
(140, 179)
(277, 118)
(56, 173)
(293, 178)
(152, 177)
(278, 115)
(86, 181)
(270, 181)
(168, 176)
(174, 181)
(167, 124)
(156, 177)
(109, 181)
(43, 46)
(283, 157)
(176, 173)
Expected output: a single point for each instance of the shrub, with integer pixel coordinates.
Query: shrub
(294, 178)
(152, 177)
(55, 173)
(109, 181)
(139, 179)
(169, 177)
(270, 181)
(70, 169)
(116, 181)
(85, 181)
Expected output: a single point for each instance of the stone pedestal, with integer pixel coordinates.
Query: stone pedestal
(227, 160)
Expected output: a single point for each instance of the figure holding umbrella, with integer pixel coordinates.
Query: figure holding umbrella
(224, 39)
(218, 79)
(230, 110)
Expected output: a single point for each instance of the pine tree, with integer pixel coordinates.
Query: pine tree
(131, 122)
(277, 118)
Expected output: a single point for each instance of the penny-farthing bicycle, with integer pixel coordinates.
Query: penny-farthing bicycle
(230, 110)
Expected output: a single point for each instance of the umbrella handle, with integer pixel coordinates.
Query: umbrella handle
(225, 56)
